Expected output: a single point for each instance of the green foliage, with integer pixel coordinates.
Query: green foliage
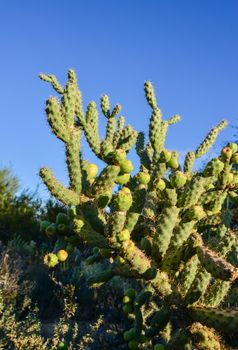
(19, 212)
(165, 229)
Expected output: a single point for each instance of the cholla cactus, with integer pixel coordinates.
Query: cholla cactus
(164, 227)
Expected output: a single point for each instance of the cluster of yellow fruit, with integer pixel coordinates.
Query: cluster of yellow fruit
(52, 259)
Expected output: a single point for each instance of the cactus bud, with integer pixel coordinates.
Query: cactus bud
(133, 344)
(62, 255)
(178, 179)
(61, 228)
(226, 153)
(72, 212)
(51, 230)
(159, 347)
(123, 200)
(129, 335)
(128, 309)
(165, 156)
(173, 162)
(62, 218)
(115, 110)
(234, 158)
(131, 293)
(104, 199)
(126, 299)
(160, 184)
(124, 235)
(92, 171)
(123, 179)
(150, 94)
(119, 156)
(120, 260)
(214, 167)
(43, 225)
(143, 178)
(233, 146)
(62, 346)
(196, 213)
(126, 166)
(51, 260)
(105, 105)
(78, 224)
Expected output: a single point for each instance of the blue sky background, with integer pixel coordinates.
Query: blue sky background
(189, 49)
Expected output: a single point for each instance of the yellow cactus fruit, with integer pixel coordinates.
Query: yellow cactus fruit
(62, 255)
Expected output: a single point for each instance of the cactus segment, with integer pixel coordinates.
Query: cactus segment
(217, 266)
(127, 138)
(198, 287)
(64, 195)
(187, 275)
(210, 139)
(135, 256)
(154, 130)
(205, 338)
(100, 277)
(159, 321)
(178, 179)
(150, 94)
(216, 293)
(54, 82)
(106, 180)
(222, 320)
(193, 193)
(165, 226)
(55, 119)
(189, 161)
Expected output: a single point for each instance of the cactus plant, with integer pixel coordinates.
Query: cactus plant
(168, 233)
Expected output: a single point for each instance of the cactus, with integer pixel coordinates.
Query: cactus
(170, 234)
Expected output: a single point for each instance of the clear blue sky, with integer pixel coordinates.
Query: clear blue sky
(189, 49)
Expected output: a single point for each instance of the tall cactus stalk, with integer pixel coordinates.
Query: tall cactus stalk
(163, 227)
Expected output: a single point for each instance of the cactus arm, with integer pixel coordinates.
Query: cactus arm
(150, 94)
(154, 131)
(90, 126)
(217, 293)
(127, 139)
(66, 196)
(55, 120)
(140, 143)
(189, 162)
(193, 193)
(216, 265)
(100, 277)
(106, 180)
(54, 82)
(210, 139)
(111, 129)
(120, 126)
(187, 275)
(165, 226)
(180, 235)
(135, 256)
(135, 211)
(222, 320)
(174, 119)
(73, 163)
(89, 235)
(198, 286)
